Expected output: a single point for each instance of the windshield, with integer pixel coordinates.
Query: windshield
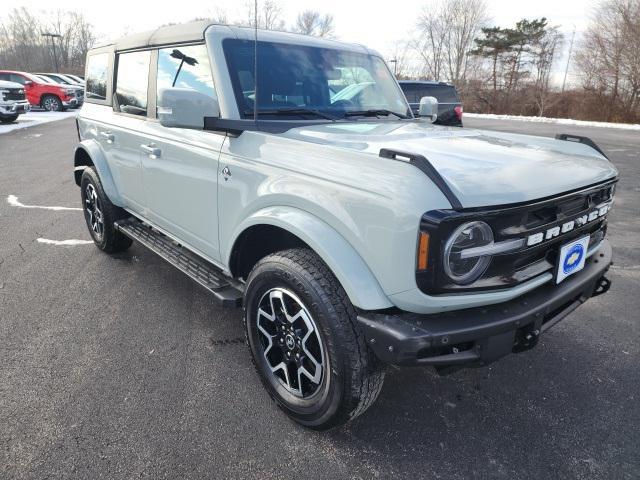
(55, 78)
(45, 79)
(332, 83)
(65, 79)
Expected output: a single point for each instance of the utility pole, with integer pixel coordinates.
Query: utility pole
(395, 66)
(566, 70)
(53, 44)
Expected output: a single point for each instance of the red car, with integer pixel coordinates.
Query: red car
(50, 96)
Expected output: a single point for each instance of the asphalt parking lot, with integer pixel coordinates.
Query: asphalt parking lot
(121, 367)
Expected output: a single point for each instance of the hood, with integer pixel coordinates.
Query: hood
(482, 168)
(6, 84)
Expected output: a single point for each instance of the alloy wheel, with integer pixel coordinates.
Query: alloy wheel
(93, 210)
(51, 104)
(290, 342)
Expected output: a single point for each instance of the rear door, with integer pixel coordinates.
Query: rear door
(180, 166)
(122, 135)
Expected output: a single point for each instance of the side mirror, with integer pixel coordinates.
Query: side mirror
(28, 83)
(429, 108)
(185, 108)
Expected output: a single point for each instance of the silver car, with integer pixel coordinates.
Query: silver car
(353, 235)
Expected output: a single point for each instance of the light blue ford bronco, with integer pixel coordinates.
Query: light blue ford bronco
(287, 175)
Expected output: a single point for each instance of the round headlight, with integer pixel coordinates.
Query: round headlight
(469, 235)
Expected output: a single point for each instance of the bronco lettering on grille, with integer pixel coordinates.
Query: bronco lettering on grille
(556, 231)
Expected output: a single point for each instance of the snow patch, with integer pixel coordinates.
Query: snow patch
(558, 121)
(65, 243)
(33, 118)
(13, 201)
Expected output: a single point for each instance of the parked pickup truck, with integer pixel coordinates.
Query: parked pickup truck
(68, 82)
(449, 105)
(352, 234)
(13, 101)
(47, 95)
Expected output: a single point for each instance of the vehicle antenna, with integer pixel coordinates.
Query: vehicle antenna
(255, 63)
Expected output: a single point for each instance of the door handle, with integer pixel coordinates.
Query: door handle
(108, 136)
(151, 150)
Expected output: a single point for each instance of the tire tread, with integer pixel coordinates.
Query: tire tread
(113, 240)
(365, 373)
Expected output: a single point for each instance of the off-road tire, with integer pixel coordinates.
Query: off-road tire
(354, 376)
(51, 103)
(9, 119)
(111, 240)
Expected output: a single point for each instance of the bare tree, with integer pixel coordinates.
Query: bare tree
(219, 16)
(24, 48)
(269, 15)
(311, 22)
(430, 43)
(403, 65)
(608, 57)
(467, 17)
(22, 45)
(446, 31)
(76, 38)
(544, 54)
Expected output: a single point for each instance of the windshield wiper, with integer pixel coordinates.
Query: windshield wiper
(294, 111)
(373, 113)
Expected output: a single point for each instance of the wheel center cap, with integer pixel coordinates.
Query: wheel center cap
(290, 342)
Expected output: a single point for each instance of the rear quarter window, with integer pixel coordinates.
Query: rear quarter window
(132, 78)
(97, 75)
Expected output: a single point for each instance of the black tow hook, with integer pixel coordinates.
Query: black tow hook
(602, 286)
(526, 338)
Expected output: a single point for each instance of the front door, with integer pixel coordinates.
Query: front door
(180, 166)
(180, 169)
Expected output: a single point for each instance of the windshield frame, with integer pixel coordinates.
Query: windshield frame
(393, 90)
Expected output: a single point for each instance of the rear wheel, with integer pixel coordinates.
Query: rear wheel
(100, 214)
(310, 354)
(51, 103)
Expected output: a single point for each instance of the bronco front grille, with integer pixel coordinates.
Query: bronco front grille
(507, 223)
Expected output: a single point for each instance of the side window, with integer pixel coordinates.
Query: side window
(97, 71)
(17, 78)
(185, 67)
(131, 82)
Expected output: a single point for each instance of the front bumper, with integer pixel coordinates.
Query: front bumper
(72, 102)
(482, 335)
(19, 107)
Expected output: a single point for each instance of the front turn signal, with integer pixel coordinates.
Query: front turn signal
(423, 251)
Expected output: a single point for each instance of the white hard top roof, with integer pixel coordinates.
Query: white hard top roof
(194, 32)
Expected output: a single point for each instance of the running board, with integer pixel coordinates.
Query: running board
(195, 267)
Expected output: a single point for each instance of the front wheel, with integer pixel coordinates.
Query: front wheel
(310, 354)
(9, 119)
(51, 103)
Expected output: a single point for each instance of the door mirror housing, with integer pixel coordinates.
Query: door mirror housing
(28, 83)
(429, 108)
(185, 108)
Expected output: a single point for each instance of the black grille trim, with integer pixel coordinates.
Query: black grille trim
(511, 269)
(14, 94)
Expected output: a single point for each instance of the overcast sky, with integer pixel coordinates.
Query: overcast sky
(362, 21)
